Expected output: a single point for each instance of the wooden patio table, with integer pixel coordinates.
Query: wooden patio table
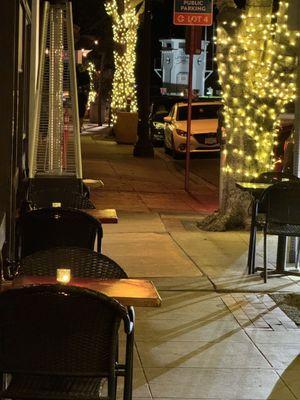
(129, 292)
(106, 216)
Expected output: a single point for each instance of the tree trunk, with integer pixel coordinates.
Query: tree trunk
(143, 146)
(125, 25)
(257, 77)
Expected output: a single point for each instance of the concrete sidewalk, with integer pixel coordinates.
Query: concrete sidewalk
(144, 184)
(218, 334)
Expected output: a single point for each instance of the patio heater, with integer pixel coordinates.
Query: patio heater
(54, 149)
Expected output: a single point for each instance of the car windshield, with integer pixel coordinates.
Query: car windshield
(198, 112)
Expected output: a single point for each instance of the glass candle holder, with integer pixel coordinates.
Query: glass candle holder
(63, 275)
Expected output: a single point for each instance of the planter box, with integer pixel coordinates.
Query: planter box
(125, 129)
(94, 113)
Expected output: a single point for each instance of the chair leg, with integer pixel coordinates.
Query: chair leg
(253, 255)
(112, 387)
(99, 240)
(129, 360)
(298, 253)
(265, 258)
(252, 239)
(250, 260)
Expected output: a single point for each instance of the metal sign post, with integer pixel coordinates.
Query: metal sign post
(192, 13)
(189, 116)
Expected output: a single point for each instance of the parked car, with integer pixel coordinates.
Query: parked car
(204, 125)
(160, 108)
(157, 125)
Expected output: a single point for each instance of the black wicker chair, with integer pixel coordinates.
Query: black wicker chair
(281, 202)
(43, 192)
(60, 342)
(83, 263)
(259, 211)
(50, 227)
(46, 198)
(62, 183)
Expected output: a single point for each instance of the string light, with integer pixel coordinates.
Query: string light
(125, 25)
(257, 74)
(92, 92)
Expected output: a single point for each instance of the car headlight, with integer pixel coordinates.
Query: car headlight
(180, 132)
(158, 125)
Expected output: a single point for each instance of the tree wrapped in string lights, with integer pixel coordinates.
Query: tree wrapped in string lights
(256, 57)
(92, 75)
(125, 22)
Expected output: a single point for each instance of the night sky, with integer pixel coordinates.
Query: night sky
(92, 19)
(89, 13)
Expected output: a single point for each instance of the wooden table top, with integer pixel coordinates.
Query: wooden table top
(93, 183)
(107, 216)
(129, 292)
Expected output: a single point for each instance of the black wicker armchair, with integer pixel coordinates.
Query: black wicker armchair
(83, 263)
(62, 183)
(46, 198)
(281, 202)
(44, 192)
(50, 227)
(60, 342)
(259, 211)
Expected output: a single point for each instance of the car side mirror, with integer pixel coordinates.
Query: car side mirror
(168, 119)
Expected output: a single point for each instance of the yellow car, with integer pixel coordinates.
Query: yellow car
(203, 128)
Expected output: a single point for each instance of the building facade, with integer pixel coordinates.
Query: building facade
(15, 34)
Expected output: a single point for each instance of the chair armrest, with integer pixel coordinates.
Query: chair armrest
(130, 321)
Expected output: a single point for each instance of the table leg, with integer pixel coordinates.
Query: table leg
(281, 259)
(252, 239)
(281, 254)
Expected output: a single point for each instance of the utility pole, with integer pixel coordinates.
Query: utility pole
(143, 147)
(194, 38)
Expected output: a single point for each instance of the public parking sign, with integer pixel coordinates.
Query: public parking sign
(193, 12)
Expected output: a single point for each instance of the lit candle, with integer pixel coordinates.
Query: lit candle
(63, 275)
